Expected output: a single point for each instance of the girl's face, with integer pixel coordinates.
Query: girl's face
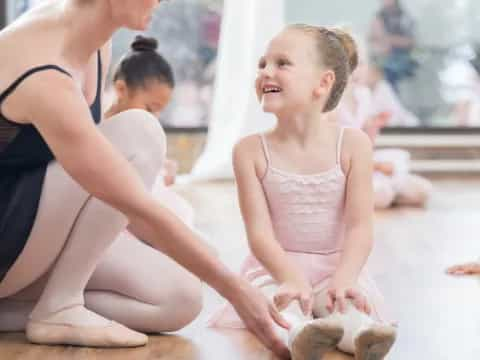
(153, 97)
(290, 78)
(133, 14)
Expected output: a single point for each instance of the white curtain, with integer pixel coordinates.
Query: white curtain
(247, 27)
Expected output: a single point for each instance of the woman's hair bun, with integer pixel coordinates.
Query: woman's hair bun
(142, 43)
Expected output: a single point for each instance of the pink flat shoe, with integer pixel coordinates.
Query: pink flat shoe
(113, 335)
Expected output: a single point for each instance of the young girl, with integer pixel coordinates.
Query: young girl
(306, 198)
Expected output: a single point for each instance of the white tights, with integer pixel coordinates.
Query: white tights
(69, 257)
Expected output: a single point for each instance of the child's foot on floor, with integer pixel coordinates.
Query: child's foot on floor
(315, 339)
(374, 342)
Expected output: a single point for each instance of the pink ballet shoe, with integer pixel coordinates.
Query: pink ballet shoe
(374, 342)
(315, 339)
(113, 335)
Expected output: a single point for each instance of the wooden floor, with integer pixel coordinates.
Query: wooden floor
(439, 316)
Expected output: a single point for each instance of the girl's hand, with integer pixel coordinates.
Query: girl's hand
(472, 268)
(385, 168)
(170, 172)
(338, 296)
(290, 291)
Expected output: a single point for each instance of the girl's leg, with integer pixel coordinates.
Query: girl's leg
(307, 338)
(412, 190)
(362, 335)
(79, 229)
(383, 191)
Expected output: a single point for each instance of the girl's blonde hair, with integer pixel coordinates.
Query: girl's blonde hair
(336, 51)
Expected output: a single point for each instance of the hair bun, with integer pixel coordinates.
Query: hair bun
(142, 43)
(349, 45)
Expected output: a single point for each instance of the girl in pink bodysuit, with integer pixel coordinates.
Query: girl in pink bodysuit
(305, 192)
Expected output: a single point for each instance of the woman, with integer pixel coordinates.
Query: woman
(68, 188)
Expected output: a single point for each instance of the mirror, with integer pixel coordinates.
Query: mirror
(422, 54)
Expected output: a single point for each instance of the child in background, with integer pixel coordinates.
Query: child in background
(393, 183)
(305, 192)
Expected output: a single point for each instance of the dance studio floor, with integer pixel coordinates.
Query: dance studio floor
(439, 315)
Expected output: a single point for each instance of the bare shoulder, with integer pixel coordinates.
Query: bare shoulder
(36, 94)
(356, 140)
(248, 151)
(356, 146)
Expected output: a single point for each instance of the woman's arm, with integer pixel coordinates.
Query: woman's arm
(63, 118)
(256, 217)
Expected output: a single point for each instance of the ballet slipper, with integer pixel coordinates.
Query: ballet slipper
(315, 338)
(112, 335)
(374, 342)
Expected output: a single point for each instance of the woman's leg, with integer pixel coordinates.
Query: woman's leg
(148, 291)
(142, 291)
(79, 228)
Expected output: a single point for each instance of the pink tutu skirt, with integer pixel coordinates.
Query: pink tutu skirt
(318, 268)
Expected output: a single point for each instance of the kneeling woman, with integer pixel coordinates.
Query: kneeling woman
(69, 184)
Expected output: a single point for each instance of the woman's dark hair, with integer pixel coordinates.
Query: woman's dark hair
(143, 63)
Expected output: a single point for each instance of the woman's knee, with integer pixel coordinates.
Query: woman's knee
(140, 137)
(183, 306)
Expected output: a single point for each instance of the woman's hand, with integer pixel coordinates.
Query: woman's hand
(338, 297)
(295, 290)
(257, 313)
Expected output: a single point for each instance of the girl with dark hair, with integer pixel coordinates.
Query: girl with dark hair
(143, 79)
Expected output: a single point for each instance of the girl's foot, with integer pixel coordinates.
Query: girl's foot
(374, 342)
(78, 326)
(315, 338)
(472, 268)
